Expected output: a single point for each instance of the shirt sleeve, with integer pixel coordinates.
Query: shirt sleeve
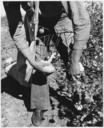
(81, 24)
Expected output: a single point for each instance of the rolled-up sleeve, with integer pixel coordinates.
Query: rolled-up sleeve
(81, 23)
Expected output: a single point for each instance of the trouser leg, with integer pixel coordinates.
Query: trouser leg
(40, 92)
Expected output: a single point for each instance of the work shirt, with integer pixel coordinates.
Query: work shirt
(14, 14)
(76, 12)
(51, 9)
(74, 9)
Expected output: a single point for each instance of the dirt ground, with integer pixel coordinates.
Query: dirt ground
(15, 111)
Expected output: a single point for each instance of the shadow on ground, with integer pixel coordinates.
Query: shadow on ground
(12, 87)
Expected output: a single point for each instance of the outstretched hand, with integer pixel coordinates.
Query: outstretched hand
(45, 67)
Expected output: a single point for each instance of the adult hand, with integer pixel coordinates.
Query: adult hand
(45, 66)
(75, 61)
(75, 68)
